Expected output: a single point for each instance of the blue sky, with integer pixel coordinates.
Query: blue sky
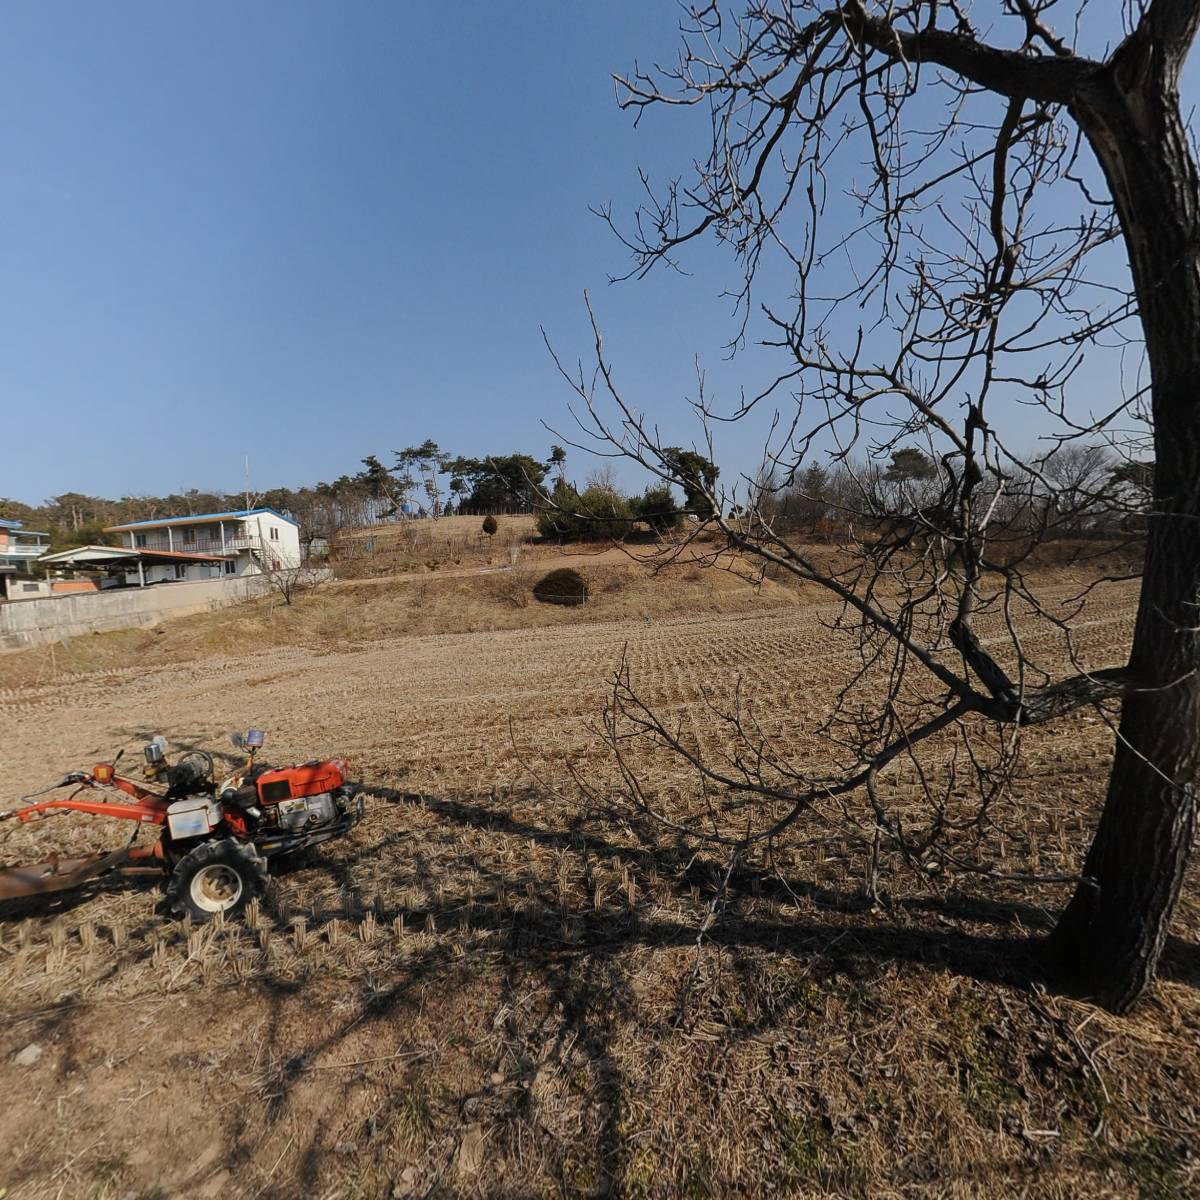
(309, 232)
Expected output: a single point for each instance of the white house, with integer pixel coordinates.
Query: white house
(179, 550)
(19, 547)
(207, 546)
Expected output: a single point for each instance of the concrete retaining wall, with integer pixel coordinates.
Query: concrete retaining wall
(31, 622)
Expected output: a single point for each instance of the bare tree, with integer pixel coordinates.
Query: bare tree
(602, 478)
(1079, 478)
(289, 582)
(288, 579)
(986, 180)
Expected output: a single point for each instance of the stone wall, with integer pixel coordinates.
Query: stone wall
(53, 618)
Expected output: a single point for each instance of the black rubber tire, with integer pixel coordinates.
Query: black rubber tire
(222, 875)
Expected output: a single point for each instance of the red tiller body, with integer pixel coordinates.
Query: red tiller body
(304, 779)
(147, 806)
(205, 839)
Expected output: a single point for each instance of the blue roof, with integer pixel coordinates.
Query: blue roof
(20, 525)
(191, 518)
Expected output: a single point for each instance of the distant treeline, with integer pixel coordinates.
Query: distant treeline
(424, 480)
(1076, 490)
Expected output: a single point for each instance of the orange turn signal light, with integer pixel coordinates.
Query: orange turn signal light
(102, 772)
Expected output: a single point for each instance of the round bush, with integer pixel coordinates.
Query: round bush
(490, 525)
(563, 586)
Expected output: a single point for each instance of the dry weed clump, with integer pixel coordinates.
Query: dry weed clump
(563, 586)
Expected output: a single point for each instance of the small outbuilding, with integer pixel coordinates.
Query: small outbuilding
(95, 568)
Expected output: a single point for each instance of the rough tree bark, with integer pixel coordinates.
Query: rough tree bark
(1111, 934)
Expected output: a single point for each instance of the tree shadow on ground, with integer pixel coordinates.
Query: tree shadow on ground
(946, 947)
(588, 978)
(554, 996)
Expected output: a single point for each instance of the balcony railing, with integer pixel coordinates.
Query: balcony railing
(232, 543)
(22, 549)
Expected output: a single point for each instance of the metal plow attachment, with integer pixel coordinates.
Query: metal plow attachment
(57, 874)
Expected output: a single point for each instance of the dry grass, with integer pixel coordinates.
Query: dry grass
(490, 989)
(446, 544)
(352, 613)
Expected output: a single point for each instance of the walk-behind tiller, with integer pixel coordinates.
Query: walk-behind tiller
(215, 839)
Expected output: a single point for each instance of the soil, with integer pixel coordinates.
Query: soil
(497, 985)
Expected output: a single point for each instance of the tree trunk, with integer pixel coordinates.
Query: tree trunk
(1111, 933)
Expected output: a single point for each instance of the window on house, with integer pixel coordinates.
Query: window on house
(140, 539)
(181, 570)
(274, 534)
(229, 567)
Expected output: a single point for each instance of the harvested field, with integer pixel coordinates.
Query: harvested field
(490, 990)
(352, 613)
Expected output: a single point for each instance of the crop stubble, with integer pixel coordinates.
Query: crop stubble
(480, 956)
